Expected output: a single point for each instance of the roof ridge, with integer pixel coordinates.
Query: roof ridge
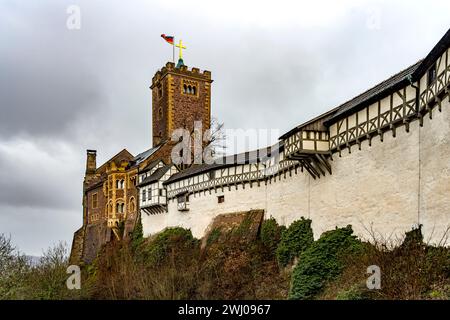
(383, 81)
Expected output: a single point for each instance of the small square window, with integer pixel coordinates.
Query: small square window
(221, 199)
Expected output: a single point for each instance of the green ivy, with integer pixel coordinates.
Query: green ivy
(271, 234)
(296, 239)
(321, 262)
(157, 250)
(137, 236)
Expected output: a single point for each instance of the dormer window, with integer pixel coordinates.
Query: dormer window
(431, 74)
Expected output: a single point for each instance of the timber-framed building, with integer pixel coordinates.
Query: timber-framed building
(380, 162)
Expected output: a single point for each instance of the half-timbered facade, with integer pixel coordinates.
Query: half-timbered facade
(379, 162)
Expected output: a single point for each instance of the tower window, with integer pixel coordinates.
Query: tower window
(190, 87)
(221, 199)
(160, 113)
(160, 91)
(120, 207)
(95, 200)
(120, 184)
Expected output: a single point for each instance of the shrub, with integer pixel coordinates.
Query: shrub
(157, 250)
(322, 262)
(137, 236)
(297, 238)
(271, 234)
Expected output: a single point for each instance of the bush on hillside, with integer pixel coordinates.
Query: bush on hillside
(296, 239)
(321, 262)
(271, 234)
(159, 248)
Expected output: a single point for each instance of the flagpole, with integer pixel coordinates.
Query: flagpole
(173, 50)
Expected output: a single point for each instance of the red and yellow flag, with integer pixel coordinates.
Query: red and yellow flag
(169, 39)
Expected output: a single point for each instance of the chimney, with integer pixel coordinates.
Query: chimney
(91, 161)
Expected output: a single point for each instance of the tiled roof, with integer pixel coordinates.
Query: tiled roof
(375, 92)
(144, 155)
(227, 161)
(155, 176)
(150, 165)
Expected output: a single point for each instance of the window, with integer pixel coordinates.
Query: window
(190, 87)
(221, 199)
(212, 174)
(132, 205)
(120, 184)
(120, 207)
(183, 198)
(95, 200)
(160, 91)
(144, 195)
(160, 113)
(160, 192)
(149, 194)
(432, 74)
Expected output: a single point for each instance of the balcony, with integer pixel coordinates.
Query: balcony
(312, 149)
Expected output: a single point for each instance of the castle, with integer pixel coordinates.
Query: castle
(379, 162)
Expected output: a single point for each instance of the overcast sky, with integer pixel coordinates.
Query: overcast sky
(275, 64)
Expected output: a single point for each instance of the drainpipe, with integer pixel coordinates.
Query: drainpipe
(420, 160)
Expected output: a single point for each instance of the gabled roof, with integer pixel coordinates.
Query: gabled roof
(151, 165)
(144, 155)
(155, 176)
(124, 153)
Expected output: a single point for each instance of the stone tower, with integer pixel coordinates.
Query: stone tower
(179, 97)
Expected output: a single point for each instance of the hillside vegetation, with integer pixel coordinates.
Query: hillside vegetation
(276, 263)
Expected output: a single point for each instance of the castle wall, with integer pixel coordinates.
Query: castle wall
(382, 190)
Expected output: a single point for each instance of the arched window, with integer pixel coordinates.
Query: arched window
(160, 113)
(120, 184)
(189, 90)
(194, 90)
(184, 88)
(120, 207)
(132, 205)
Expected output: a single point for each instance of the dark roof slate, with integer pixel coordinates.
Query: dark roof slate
(374, 93)
(155, 176)
(228, 161)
